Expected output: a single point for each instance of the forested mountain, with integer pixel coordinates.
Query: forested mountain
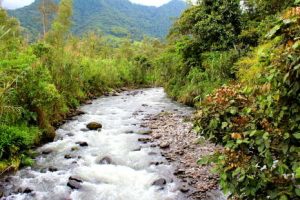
(113, 17)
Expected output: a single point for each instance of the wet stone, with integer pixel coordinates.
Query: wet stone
(68, 156)
(129, 132)
(145, 132)
(105, 161)
(160, 182)
(74, 148)
(137, 149)
(70, 134)
(156, 163)
(52, 169)
(179, 172)
(47, 152)
(27, 191)
(74, 183)
(94, 126)
(88, 102)
(82, 144)
(144, 140)
(184, 189)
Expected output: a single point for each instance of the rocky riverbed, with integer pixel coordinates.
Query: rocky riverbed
(120, 147)
(182, 148)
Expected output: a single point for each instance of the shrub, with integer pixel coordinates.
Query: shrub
(15, 139)
(258, 123)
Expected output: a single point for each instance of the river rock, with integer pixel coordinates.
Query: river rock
(156, 163)
(52, 169)
(105, 161)
(160, 182)
(74, 148)
(79, 112)
(70, 134)
(137, 149)
(184, 189)
(47, 151)
(179, 172)
(27, 191)
(94, 126)
(164, 145)
(129, 132)
(145, 132)
(74, 183)
(144, 140)
(88, 102)
(157, 136)
(68, 156)
(82, 144)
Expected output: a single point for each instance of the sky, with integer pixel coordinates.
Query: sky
(13, 4)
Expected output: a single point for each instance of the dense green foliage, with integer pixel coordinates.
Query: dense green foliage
(240, 68)
(119, 18)
(42, 82)
(238, 65)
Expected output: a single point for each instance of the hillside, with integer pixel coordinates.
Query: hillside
(113, 17)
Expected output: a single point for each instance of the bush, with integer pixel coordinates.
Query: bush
(15, 139)
(258, 123)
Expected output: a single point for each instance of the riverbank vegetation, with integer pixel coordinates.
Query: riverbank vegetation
(239, 65)
(236, 62)
(41, 82)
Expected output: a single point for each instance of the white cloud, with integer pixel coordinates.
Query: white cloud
(151, 2)
(13, 4)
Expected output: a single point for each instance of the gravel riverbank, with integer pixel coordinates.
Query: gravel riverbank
(181, 147)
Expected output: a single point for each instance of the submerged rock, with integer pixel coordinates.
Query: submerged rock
(52, 169)
(27, 191)
(74, 183)
(144, 140)
(47, 151)
(68, 156)
(94, 126)
(160, 182)
(184, 189)
(106, 161)
(82, 144)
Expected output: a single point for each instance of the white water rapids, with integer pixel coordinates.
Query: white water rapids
(129, 177)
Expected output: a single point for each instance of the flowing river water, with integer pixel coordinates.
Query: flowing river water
(125, 173)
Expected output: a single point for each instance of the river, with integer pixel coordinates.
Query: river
(111, 164)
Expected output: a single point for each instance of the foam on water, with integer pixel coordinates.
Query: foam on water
(130, 177)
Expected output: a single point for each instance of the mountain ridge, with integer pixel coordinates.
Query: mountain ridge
(119, 18)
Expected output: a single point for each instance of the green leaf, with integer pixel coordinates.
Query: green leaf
(298, 173)
(233, 110)
(283, 197)
(297, 191)
(296, 46)
(224, 125)
(297, 136)
(273, 31)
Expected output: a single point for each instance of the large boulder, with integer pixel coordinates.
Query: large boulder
(94, 126)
